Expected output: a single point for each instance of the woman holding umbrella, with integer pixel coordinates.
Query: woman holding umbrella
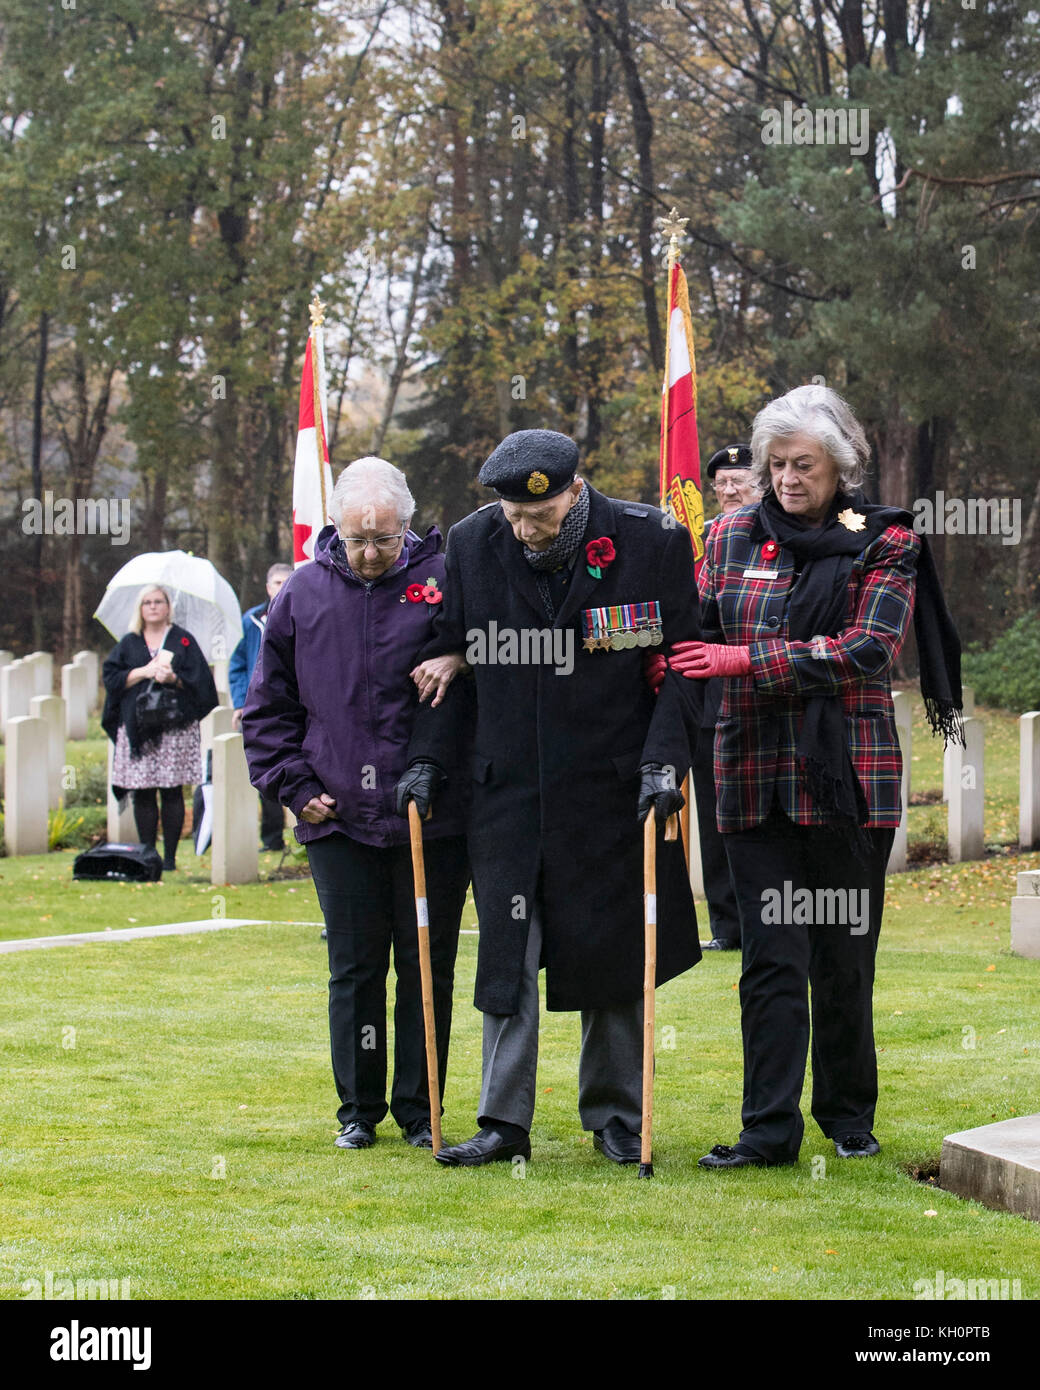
(156, 654)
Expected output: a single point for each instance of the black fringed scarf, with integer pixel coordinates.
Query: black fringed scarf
(817, 606)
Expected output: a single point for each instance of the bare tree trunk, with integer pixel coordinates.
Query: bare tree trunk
(37, 476)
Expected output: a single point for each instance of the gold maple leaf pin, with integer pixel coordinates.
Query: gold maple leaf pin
(852, 521)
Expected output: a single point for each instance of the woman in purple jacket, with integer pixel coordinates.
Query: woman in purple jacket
(326, 725)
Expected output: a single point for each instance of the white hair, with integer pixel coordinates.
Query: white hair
(371, 482)
(820, 413)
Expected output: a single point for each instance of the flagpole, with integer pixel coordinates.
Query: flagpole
(672, 225)
(317, 312)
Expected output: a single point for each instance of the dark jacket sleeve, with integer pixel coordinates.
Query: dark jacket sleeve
(442, 735)
(117, 666)
(274, 721)
(677, 711)
(198, 694)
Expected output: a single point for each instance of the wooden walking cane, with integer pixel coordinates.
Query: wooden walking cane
(646, 1166)
(422, 917)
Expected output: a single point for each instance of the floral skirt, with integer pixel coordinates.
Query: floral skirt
(174, 761)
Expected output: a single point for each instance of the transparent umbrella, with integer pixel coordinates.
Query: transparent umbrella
(203, 601)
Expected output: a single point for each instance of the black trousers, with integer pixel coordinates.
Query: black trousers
(272, 823)
(723, 913)
(367, 897)
(794, 941)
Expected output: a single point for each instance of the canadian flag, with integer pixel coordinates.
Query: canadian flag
(312, 476)
(680, 450)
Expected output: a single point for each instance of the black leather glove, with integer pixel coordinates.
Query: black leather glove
(658, 792)
(421, 779)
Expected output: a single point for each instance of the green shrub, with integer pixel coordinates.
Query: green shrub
(1007, 675)
(91, 785)
(62, 829)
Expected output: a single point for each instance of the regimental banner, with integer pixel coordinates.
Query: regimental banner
(312, 475)
(680, 450)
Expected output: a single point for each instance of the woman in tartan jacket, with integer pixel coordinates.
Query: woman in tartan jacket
(807, 597)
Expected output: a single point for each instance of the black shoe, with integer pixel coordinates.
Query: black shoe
(856, 1146)
(719, 943)
(356, 1134)
(169, 864)
(616, 1142)
(486, 1146)
(278, 848)
(419, 1134)
(731, 1156)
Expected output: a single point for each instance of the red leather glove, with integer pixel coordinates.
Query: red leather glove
(654, 667)
(702, 660)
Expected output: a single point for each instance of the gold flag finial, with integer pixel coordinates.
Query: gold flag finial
(673, 226)
(317, 312)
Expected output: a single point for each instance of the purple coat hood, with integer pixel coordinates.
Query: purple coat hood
(330, 706)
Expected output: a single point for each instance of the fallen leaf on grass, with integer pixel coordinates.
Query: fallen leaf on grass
(931, 1212)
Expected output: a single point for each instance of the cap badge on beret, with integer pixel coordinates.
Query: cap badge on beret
(537, 483)
(732, 455)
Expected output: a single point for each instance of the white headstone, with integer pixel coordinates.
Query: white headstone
(1029, 780)
(217, 722)
(236, 855)
(93, 665)
(696, 865)
(6, 657)
(968, 706)
(74, 693)
(220, 679)
(25, 791)
(42, 664)
(51, 708)
(901, 709)
(17, 687)
(967, 785)
(121, 827)
(1025, 916)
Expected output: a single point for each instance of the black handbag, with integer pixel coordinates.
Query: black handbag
(158, 710)
(133, 863)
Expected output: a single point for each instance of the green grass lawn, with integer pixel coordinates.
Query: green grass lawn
(169, 1111)
(168, 1118)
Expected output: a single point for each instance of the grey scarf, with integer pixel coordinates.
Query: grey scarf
(562, 551)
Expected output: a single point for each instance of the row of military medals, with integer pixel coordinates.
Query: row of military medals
(621, 627)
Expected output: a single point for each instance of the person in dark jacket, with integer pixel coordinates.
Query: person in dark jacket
(730, 472)
(156, 649)
(326, 724)
(554, 594)
(240, 673)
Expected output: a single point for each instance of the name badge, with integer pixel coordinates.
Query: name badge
(761, 574)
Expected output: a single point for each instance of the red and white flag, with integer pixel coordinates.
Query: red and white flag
(680, 451)
(312, 476)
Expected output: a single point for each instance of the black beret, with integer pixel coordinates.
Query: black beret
(735, 456)
(531, 465)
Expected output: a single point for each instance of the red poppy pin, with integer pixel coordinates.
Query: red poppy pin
(431, 593)
(769, 550)
(598, 555)
(414, 593)
(185, 642)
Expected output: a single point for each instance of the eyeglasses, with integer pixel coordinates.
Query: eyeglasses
(730, 485)
(384, 543)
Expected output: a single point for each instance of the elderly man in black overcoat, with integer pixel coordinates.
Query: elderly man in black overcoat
(554, 595)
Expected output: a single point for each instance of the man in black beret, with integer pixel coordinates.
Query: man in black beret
(730, 472)
(554, 594)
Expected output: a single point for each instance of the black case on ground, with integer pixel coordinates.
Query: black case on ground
(136, 863)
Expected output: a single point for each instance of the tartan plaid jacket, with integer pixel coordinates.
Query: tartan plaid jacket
(760, 715)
